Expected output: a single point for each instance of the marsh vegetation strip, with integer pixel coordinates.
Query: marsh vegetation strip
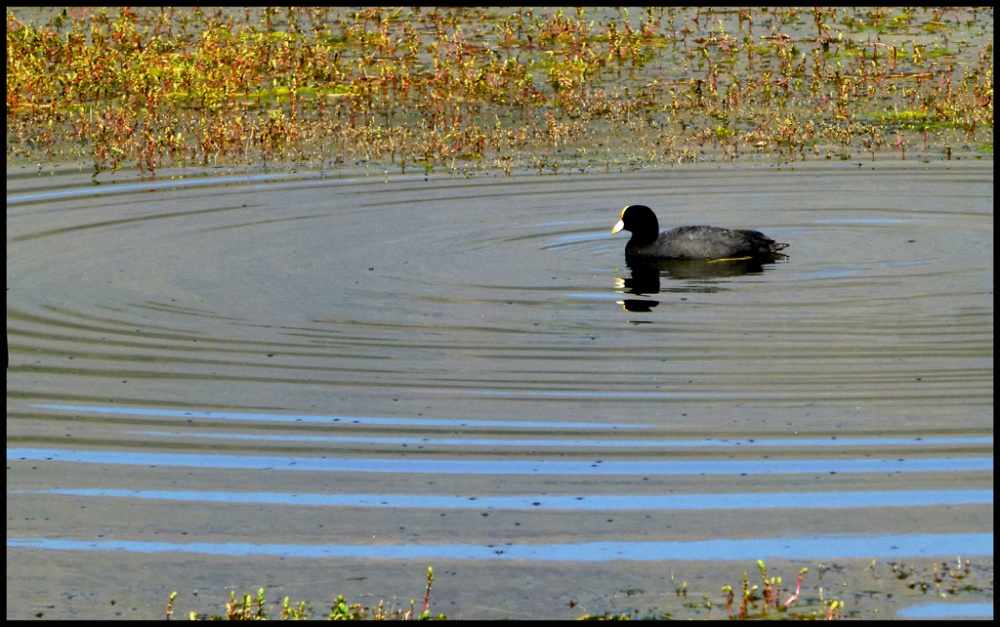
(475, 91)
(324, 385)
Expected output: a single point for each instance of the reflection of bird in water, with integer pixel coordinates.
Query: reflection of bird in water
(690, 242)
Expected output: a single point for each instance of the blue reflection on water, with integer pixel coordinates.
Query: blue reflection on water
(947, 610)
(508, 467)
(811, 547)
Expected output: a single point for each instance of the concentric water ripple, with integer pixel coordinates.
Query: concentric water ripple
(405, 346)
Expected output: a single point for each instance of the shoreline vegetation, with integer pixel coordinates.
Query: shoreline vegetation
(473, 91)
(771, 598)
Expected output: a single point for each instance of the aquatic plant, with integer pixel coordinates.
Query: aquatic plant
(769, 602)
(255, 608)
(766, 600)
(476, 90)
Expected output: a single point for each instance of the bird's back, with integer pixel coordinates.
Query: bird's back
(705, 242)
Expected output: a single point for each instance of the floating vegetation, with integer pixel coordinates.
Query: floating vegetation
(473, 90)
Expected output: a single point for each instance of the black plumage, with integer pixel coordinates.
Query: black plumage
(690, 242)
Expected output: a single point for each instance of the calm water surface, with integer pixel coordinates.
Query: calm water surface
(324, 385)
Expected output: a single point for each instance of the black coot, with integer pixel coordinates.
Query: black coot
(690, 242)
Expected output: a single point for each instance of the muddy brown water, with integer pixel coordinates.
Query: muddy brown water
(324, 385)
